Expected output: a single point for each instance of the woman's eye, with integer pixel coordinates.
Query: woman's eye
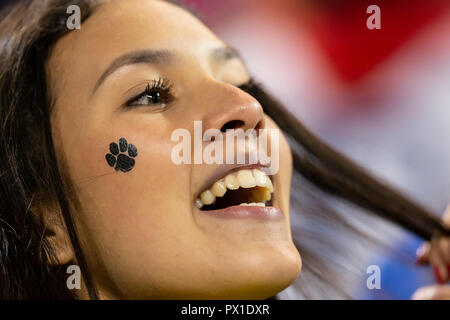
(148, 98)
(159, 94)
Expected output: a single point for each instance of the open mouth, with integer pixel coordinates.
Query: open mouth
(247, 187)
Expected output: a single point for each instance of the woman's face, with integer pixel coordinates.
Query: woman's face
(143, 235)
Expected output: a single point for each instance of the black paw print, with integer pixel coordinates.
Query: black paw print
(122, 161)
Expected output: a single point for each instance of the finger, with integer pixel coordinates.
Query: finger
(446, 216)
(432, 293)
(423, 254)
(446, 244)
(436, 259)
(444, 247)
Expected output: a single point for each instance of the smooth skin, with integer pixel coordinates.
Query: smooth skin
(142, 235)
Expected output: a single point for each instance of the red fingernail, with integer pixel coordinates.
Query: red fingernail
(438, 276)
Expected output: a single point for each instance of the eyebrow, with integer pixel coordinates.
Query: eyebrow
(226, 53)
(143, 56)
(220, 54)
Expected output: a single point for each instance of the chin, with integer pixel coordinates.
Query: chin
(262, 275)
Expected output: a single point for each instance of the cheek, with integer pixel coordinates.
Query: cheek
(122, 205)
(138, 224)
(285, 153)
(285, 168)
(285, 172)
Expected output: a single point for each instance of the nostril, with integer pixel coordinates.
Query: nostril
(233, 124)
(259, 126)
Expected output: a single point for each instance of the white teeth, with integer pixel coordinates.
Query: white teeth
(232, 182)
(260, 178)
(253, 204)
(244, 179)
(207, 197)
(219, 188)
(198, 203)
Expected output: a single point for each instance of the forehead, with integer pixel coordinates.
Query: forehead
(121, 26)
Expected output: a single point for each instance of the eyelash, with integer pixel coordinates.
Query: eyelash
(163, 87)
(249, 86)
(253, 88)
(160, 89)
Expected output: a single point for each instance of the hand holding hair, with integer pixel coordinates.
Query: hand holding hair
(437, 253)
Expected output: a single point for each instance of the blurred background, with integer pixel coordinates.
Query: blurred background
(380, 96)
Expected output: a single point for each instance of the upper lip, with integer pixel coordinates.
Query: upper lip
(224, 170)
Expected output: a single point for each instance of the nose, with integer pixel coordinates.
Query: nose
(232, 108)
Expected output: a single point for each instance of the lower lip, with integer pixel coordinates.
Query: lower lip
(247, 212)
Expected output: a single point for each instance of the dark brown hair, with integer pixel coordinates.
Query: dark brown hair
(30, 174)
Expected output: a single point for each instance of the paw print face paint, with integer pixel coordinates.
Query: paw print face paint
(121, 155)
